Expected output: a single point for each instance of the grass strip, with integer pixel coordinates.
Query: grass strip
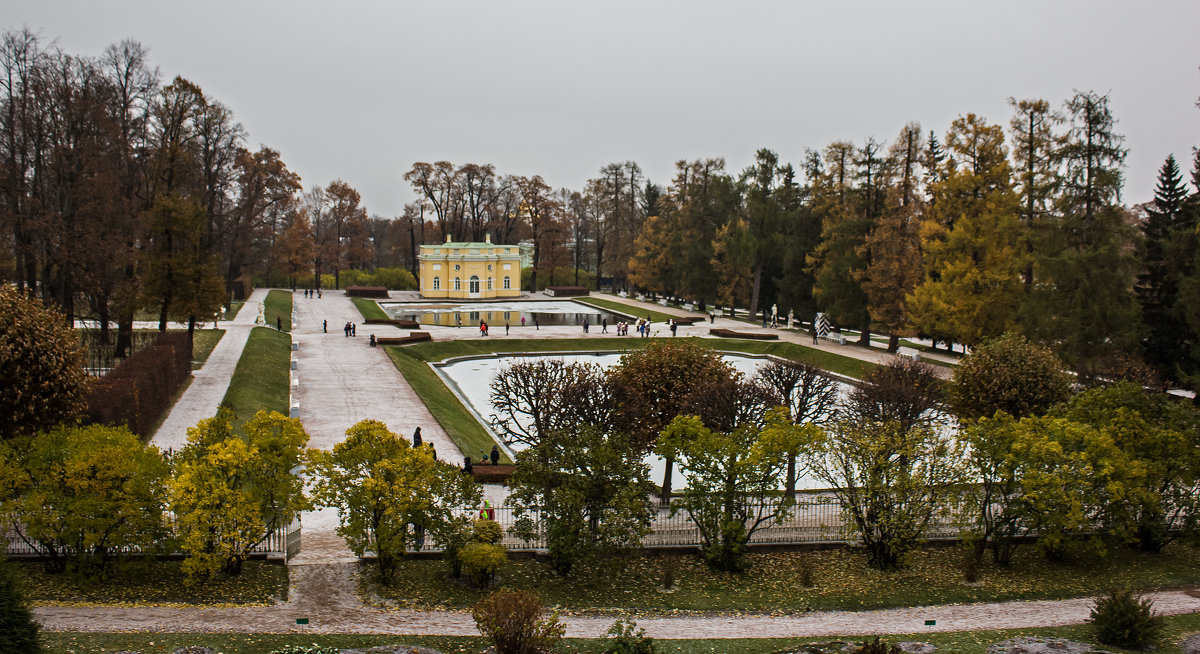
(626, 309)
(369, 309)
(964, 642)
(260, 381)
(841, 580)
(442, 350)
(204, 341)
(139, 582)
(458, 423)
(278, 306)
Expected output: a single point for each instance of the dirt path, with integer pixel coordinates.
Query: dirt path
(325, 594)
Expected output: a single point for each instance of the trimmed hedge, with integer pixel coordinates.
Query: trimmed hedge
(757, 336)
(367, 291)
(138, 392)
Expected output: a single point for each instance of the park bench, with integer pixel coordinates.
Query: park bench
(836, 337)
(908, 353)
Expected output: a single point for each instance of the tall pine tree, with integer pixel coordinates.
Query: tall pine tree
(1083, 304)
(1163, 263)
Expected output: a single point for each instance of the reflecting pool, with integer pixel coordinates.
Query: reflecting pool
(472, 377)
(496, 314)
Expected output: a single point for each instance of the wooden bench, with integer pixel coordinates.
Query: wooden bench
(413, 337)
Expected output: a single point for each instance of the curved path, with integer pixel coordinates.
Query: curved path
(335, 609)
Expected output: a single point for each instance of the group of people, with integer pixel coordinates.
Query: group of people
(350, 329)
(308, 292)
(483, 327)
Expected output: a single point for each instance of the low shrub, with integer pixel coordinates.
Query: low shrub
(627, 641)
(18, 629)
(481, 561)
(512, 620)
(1125, 620)
(879, 646)
(486, 531)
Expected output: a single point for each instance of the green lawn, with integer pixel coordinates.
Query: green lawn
(466, 432)
(460, 425)
(963, 642)
(204, 341)
(278, 305)
(626, 309)
(260, 381)
(141, 582)
(841, 581)
(369, 309)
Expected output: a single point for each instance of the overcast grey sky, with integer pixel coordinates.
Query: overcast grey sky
(361, 90)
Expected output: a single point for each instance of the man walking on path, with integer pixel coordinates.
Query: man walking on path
(604, 325)
(324, 326)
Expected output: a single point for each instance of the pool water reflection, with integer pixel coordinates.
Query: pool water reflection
(472, 377)
(521, 313)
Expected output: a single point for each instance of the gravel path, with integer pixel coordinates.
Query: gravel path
(324, 594)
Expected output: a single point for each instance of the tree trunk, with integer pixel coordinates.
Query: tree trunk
(758, 268)
(893, 342)
(666, 487)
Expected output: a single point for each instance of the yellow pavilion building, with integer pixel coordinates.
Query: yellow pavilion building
(470, 271)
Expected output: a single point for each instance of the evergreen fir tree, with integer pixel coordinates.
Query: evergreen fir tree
(1163, 263)
(18, 630)
(1083, 304)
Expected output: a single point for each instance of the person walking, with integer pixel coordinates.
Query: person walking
(417, 437)
(353, 329)
(506, 328)
(604, 325)
(585, 325)
(674, 327)
(324, 326)
(495, 455)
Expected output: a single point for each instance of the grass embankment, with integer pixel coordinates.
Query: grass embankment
(626, 309)
(369, 309)
(278, 306)
(204, 341)
(260, 381)
(466, 432)
(962, 642)
(841, 581)
(145, 581)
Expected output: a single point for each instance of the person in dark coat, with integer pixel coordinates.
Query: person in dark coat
(417, 437)
(495, 455)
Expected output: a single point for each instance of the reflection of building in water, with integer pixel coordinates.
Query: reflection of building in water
(447, 319)
(470, 270)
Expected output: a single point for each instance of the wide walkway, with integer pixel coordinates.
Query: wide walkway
(338, 611)
(209, 383)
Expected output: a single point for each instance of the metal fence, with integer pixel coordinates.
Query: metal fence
(281, 543)
(812, 519)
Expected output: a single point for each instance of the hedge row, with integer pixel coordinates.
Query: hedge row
(138, 392)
